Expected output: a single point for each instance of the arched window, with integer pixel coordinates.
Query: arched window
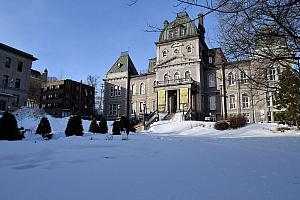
(231, 79)
(189, 49)
(116, 90)
(187, 76)
(211, 80)
(165, 53)
(133, 88)
(166, 78)
(142, 88)
(176, 76)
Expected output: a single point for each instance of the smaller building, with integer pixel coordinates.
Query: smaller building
(15, 73)
(68, 97)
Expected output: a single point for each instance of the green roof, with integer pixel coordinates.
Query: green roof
(181, 27)
(123, 64)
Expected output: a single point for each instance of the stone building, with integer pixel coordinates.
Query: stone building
(187, 76)
(15, 66)
(68, 97)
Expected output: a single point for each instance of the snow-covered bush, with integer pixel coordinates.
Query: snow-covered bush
(221, 125)
(237, 121)
(74, 126)
(9, 127)
(44, 128)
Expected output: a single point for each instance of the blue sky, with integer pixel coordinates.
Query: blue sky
(75, 38)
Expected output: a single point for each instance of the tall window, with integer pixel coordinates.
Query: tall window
(18, 83)
(166, 78)
(119, 90)
(142, 88)
(210, 60)
(232, 102)
(272, 74)
(111, 91)
(133, 106)
(245, 101)
(116, 91)
(5, 80)
(20, 66)
(176, 76)
(133, 88)
(269, 98)
(171, 34)
(212, 103)
(7, 62)
(187, 75)
(231, 79)
(211, 80)
(244, 78)
(113, 109)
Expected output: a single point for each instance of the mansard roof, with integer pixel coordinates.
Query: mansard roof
(181, 27)
(123, 64)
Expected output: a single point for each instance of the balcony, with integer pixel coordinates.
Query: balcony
(180, 81)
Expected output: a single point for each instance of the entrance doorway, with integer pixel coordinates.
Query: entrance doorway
(172, 100)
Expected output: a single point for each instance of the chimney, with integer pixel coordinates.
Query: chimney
(200, 19)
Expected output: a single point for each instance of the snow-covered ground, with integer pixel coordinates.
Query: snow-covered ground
(173, 160)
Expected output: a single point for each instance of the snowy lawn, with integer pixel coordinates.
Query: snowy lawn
(192, 163)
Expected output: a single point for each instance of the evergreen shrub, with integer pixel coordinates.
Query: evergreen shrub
(74, 126)
(9, 127)
(94, 128)
(103, 125)
(44, 128)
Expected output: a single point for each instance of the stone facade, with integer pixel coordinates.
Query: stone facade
(15, 66)
(186, 76)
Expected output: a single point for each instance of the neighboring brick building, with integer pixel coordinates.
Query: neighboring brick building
(15, 74)
(67, 97)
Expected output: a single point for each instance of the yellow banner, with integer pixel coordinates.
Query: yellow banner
(184, 95)
(161, 100)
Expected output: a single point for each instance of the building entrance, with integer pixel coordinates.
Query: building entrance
(172, 100)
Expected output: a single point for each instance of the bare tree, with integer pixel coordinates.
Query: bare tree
(267, 30)
(93, 80)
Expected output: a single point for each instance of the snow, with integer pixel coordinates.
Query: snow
(173, 160)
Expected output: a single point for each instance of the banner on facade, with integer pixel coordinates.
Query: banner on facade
(184, 95)
(161, 100)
